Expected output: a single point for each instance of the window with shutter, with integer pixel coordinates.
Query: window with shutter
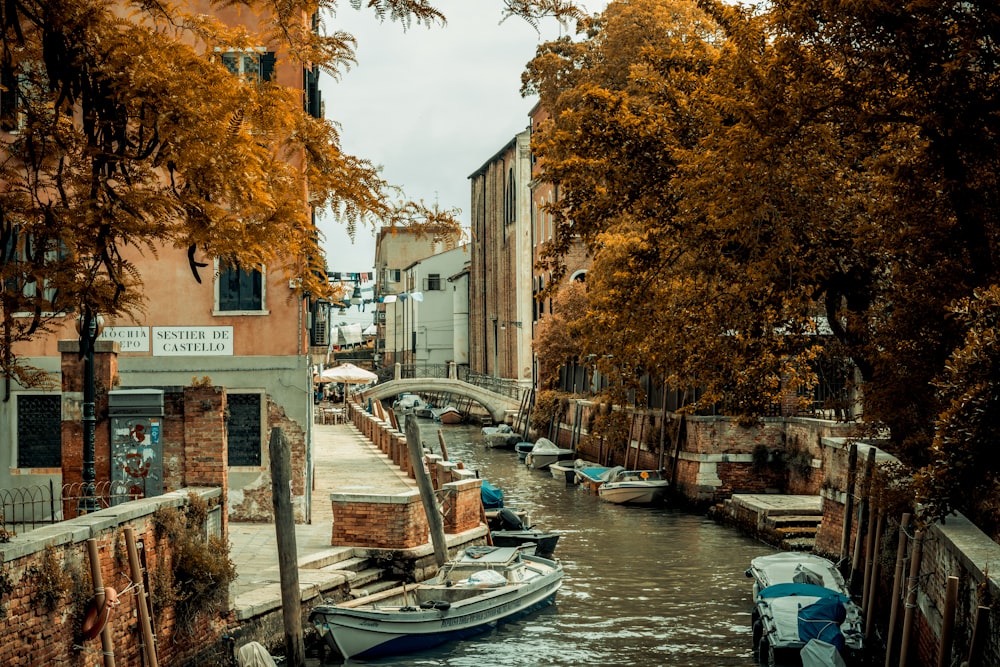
(240, 290)
(243, 429)
(39, 431)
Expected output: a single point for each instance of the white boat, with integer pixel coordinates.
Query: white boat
(471, 594)
(545, 452)
(500, 437)
(633, 487)
(802, 599)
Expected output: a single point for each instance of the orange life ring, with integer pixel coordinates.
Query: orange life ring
(97, 615)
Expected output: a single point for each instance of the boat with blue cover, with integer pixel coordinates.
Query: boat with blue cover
(471, 594)
(801, 599)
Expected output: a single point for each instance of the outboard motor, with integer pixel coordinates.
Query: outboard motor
(509, 520)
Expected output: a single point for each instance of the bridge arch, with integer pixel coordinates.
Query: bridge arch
(498, 405)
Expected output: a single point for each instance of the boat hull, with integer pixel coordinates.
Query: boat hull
(451, 606)
(633, 493)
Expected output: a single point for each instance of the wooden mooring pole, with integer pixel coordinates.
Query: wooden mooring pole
(288, 557)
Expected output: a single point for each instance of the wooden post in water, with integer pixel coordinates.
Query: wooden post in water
(896, 585)
(444, 447)
(107, 645)
(870, 591)
(663, 426)
(948, 622)
(911, 596)
(863, 520)
(980, 629)
(852, 469)
(434, 521)
(288, 557)
(141, 599)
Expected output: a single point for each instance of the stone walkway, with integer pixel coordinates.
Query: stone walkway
(345, 461)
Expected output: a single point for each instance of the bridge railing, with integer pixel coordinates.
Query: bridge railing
(502, 386)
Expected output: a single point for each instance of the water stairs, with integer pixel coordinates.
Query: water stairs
(787, 522)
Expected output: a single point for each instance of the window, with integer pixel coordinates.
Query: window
(395, 275)
(240, 290)
(434, 282)
(244, 430)
(39, 431)
(252, 65)
(31, 263)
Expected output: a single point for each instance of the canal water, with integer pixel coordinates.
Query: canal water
(642, 587)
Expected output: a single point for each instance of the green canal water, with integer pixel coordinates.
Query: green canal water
(642, 587)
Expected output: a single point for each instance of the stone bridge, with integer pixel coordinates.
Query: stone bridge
(498, 405)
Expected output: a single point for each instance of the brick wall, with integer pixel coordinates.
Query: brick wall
(379, 521)
(35, 635)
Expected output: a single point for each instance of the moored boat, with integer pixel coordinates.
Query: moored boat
(448, 415)
(471, 594)
(523, 449)
(545, 453)
(500, 437)
(633, 487)
(801, 599)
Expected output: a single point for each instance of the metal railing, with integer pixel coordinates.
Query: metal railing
(502, 386)
(27, 507)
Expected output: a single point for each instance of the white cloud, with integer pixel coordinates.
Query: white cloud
(430, 106)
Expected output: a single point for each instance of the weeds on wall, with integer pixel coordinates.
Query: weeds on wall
(195, 579)
(6, 588)
(550, 406)
(50, 581)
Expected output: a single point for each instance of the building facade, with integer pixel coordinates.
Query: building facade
(437, 319)
(500, 273)
(245, 331)
(396, 248)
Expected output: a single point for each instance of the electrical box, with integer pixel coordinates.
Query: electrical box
(136, 450)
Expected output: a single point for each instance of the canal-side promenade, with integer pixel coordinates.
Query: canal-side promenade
(345, 462)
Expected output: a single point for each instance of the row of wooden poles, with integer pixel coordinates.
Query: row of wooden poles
(148, 644)
(868, 538)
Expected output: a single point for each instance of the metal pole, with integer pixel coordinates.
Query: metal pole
(88, 336)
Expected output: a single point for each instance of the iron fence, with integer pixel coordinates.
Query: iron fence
(27, 507)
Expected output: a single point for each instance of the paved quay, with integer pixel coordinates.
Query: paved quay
(345, 462)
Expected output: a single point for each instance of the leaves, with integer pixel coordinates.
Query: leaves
(747, 179)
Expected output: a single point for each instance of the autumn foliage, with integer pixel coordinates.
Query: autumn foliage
(758, 187)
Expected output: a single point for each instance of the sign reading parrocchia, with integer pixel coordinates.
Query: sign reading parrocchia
(192, 341)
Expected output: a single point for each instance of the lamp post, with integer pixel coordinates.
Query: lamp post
(89, 326)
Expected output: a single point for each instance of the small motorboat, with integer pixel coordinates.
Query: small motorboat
(523, 449)
(563, 470)
(513, 533)
(633, 487)
(589, 477)
(801, 600)
(491, 495)
(545, 452)
(482, 587)
(500, 437)
(448, 415)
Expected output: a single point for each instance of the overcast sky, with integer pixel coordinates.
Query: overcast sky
(430, 106)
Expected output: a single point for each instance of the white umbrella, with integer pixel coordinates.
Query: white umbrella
(349, 374)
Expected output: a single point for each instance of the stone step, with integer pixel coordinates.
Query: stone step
(775, 522)
(796, 531)
(374, 587)
(352, 564)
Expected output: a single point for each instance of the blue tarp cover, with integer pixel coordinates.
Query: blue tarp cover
(492, 496)
(819, 620)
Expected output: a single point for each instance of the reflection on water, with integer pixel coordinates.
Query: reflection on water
(643, 586)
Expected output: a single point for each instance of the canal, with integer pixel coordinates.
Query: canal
(643, 586)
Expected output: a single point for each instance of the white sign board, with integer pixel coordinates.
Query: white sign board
(192, 341)
(130, 339)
